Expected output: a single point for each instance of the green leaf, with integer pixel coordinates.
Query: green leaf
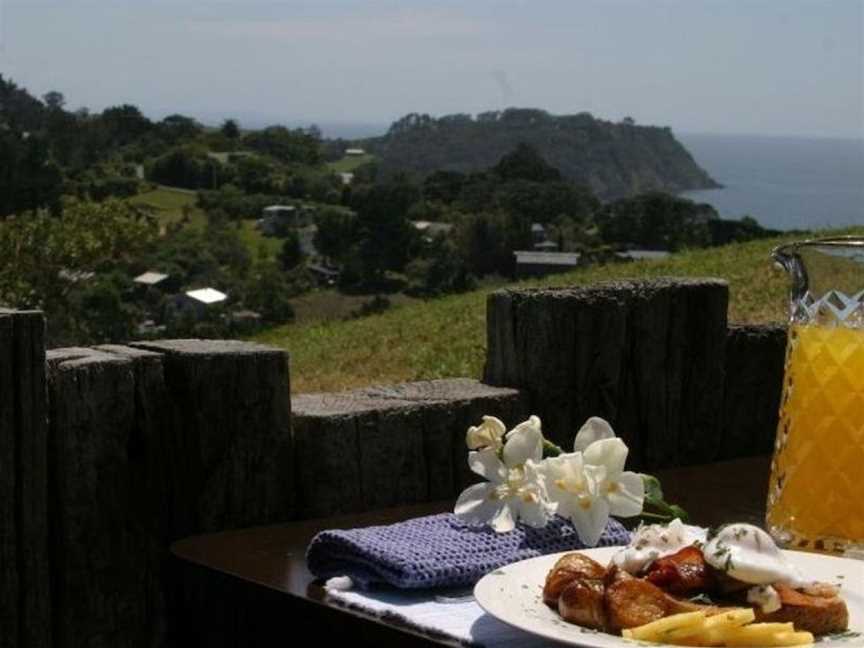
(653, 490)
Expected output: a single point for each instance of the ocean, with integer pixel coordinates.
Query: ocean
(783, 182)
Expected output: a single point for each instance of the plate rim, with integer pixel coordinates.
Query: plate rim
(607, 640)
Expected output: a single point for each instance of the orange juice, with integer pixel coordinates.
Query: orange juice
(816, 493)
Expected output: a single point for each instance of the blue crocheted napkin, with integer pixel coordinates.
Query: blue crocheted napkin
(438, 550)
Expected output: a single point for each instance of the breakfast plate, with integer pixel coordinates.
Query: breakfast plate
(513, 594)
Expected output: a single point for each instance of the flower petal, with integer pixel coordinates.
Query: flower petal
(590, 521)
(524, 442)
(595, 429)
(487, 464)
(627, 495)
(609, 453)
(532, 511)
(474, 505)
(504, 520)
(487, 434)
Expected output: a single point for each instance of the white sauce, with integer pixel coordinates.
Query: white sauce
(748, 554)
(766, 597)
(648, 543)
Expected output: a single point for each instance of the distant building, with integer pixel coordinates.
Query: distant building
(276, 219)
(206, 296)
(245, 320)
(355, 152)
(431, 229)
(150, 278)
(347, 178)
(538, 232)
(531, 263)
(642, 255)
(323, 274)
(75, 276)
(546, 246)
(194, 303)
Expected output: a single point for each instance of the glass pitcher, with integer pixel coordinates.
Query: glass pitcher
(816, 492)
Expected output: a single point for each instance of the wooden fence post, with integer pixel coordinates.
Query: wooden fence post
(646, 355)
(384, 446)
(25, 594)
(230, 451)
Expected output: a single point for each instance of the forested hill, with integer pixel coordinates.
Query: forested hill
(613, 159)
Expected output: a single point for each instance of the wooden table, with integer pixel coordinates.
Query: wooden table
(249, 586)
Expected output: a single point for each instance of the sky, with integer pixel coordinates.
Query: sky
(784, 67)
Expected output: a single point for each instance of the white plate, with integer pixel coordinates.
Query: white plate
(513, 594)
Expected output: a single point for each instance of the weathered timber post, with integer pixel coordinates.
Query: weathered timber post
(384, 446)
(149, 444)
(647, 355)
(24, 572)
(105, 530)
(230, 451)
(754, 381)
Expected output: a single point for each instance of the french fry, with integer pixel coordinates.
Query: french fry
(657, 630)
(767, 634)
(713, 629)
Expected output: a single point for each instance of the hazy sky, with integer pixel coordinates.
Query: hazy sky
(728, 66)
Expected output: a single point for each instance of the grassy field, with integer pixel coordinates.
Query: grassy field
(349, 163)
(446, 337)
(168, 205)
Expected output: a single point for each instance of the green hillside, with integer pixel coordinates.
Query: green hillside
(446, 337)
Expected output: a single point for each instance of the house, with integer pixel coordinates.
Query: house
(346, 177)
(642, 255)
(150, 278)
(75, 276)
(538, 232)
(546, 246)
(194, 303)
(531, 263)
(355, 152)
(431, 229)
(323, 274)
(206, 296)
(276, 219)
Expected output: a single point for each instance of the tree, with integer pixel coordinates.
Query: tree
(387, 240)
(179, 128)
(29, 180)
(187, 167)
(285, 144)
(335, 234)
(46, 258)
(230, 129)
(54, 100)
(291, 255)
(269, 291)
(525, 163)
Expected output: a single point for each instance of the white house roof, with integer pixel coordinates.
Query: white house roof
(75, 276)
(643, 254)
(355, 151)
(150, 278)
(207, 295)
(547, 258)
(278, 208)
(432, 226)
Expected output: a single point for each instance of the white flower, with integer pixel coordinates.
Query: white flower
(594, 429)
(513, 491)
(625, 491)
(489, 434)
(574, 488)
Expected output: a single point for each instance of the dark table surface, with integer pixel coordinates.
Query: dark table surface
(273, 557)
